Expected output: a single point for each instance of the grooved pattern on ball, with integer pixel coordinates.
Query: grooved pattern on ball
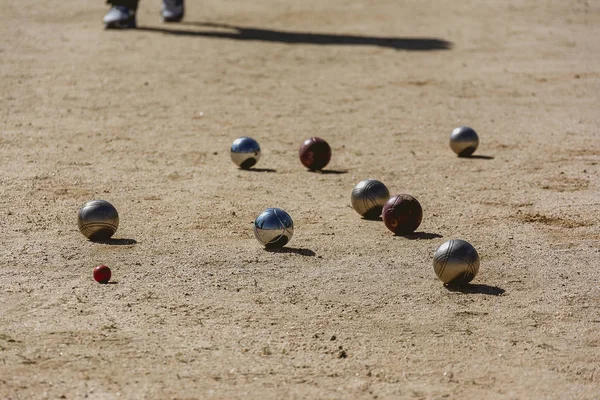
(456, 262)
(368, 198)
(441, 260)
(98, 220)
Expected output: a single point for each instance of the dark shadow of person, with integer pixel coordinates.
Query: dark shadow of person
(291, 37)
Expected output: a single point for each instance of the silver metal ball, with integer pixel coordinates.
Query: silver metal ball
(369, 197)
(456, 262)
(98, 220)
(245, 152)
(273, 228)
(464, 141)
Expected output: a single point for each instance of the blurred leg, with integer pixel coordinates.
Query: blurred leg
(172, 10)
(131, 4)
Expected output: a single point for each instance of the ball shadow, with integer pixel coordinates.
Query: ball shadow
(118, 242)
(288, 250)
(328, 171)
(377, 219)
(477, 157)
(373, 214)
(420, 236)
(258, 169)
(471, 288)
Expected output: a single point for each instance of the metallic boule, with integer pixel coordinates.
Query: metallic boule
(98, 220)
(273, 228)
(245, 152)
(464, 141)
(368, 198)
(456, 262)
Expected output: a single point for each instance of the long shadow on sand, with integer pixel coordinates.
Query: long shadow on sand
(477, 289)
(288, 250)
(226, 31)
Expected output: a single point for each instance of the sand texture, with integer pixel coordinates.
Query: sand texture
(198, 309)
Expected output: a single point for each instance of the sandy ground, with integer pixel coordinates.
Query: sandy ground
(144, 119)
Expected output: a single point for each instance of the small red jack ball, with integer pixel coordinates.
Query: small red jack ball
(102, 274)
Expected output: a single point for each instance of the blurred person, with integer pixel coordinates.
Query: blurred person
(122, 13)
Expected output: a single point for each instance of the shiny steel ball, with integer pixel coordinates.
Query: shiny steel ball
(402, 214)
(98, 220)
(464, 141)
(245, 152)
(273, 228)
(368, 198)
(456, 262)
(315, 153)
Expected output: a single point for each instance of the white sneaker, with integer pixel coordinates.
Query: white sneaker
(120, 17)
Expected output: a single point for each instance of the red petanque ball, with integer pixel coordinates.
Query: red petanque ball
(315, 153)
(102, 274)
(402, 214)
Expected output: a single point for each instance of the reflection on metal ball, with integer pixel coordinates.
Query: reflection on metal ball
(245, 152)
(456, 262)
(464, 141)
(98, 220)
(273, 228)
(368, 198)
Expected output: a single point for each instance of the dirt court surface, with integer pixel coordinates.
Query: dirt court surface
(198, 309)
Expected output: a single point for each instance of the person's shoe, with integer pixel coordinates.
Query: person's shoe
(172, 10)
(120, 17)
